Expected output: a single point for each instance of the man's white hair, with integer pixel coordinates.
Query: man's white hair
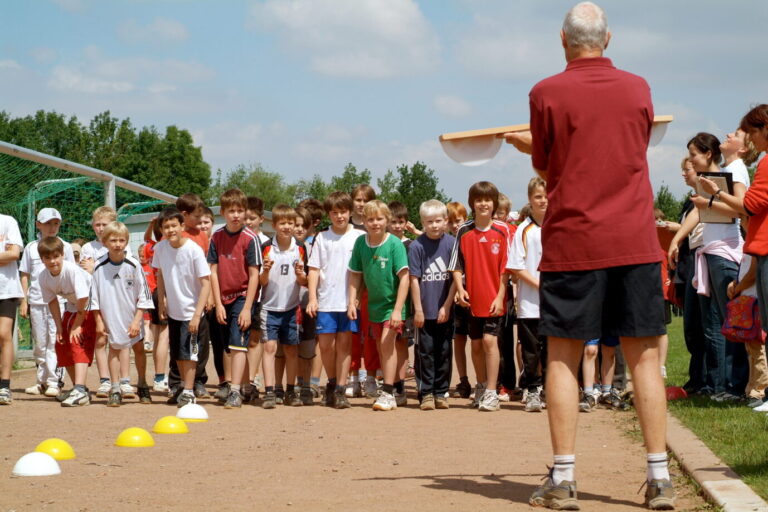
(586, 26)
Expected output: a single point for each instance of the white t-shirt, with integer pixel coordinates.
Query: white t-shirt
(72, 283)
(182, 269)
(32, 264)
(10, 284)
(526, 255)
(95, 250)
(714, 232)
(282, 291)
(331, 254)
(263, 241)
(746, 262)
(117, 291)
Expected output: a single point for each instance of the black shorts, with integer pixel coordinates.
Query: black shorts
(460, 320)
(480, 326)
(588, 304)
(155, 313)
(183, 345)
(8, 307)
(307, 327)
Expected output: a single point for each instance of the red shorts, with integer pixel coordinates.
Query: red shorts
(377, 328)
(78, 352)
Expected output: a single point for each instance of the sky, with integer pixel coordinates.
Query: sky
(304, 87)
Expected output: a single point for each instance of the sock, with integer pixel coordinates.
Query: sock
(606, 388)
(400, 387)
(314, 380)
(159, 377)
(299, 381)
(235, 388)
(332, 383)
(81, 387)
(269, 389)
(115, 387)
(5, 383)
(563, 468)
(279, 390)
(340, 389)
(188, 392)
(588, 390)
(362, 374)
(289, 388)
(125, 381)
(379, 374)
(388, 388)
(658, 468)
(102, 380)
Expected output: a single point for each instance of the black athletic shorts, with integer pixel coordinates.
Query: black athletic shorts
(8, 307)
(155, 313)
(460, 320)
(479, 326)
(589, 304)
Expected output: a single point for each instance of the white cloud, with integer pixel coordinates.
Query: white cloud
(353, 38)
(44, 54)
(452, 106)
(160, 30)
(9, 64)
(66, 78)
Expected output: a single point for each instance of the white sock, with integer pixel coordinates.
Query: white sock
(658, 468)
(564, 467)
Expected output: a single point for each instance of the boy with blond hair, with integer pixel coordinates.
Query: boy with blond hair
(328, 286)
(235, 259)
(480, 256)
(432, 292)
(90, 255)
(119, 297)
(76, 329)
(380, 261)
(43, 328)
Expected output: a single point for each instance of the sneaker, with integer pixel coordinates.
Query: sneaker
(115, 399)
(223, 392)
(385, 402)
(234, 400)
(478, 396)
(37, 389)
(329, 397)
(427, 403)
(755, 402)
(200, 391)
(534, 404)
(761, 408)
(441, 402)
(104, 389)
(729, 398)
(293, 400)
(173, 395)
(279, 396)
(144, 396)
(660, 495)
(588, 402)
(63, 395)
(270, 400)
(354, 390)
(505, 395)
(251, 395)
(524, 397)
(188, 398)
(306, 395)
(5, 396)
(77, 398)
(316, 392)
(463, 389)
(371, 389)
(401, 399)
(148, 347)
(557, 497)
(127, 391)
(161, 386)
(52, 391)
(340, 400)
(489, 402)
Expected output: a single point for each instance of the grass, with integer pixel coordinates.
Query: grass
(734, 433)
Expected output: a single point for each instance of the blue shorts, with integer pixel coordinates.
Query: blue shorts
(281, 326)
(236, 339)
(331, 322)
(608, 341)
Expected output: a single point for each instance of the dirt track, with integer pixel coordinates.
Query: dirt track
(313, 458)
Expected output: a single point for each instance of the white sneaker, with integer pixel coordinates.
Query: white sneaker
(127, 391)
(37, 389)
(52, 391)
(258, 381)
(524, 398)
(371, 390)
(477, 397)
(160, 386)
(534, 403)
(385, 402)
(489, 401)
(761, 408)
(353, 390)
(104, 389)
(77, 398)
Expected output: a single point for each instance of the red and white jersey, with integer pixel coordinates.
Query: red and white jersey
(281, 293)
(482, 256)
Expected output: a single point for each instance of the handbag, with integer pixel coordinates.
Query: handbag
(742, 321)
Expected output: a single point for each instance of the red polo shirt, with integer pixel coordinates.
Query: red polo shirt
(756, 204)
(591, 125)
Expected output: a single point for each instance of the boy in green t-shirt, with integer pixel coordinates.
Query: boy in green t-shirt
(380, 259)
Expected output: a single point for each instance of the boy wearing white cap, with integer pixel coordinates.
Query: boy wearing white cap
(43, 327)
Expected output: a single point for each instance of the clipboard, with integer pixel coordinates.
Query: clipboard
(724, 181)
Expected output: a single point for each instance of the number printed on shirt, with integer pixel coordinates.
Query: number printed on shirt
(284, 269)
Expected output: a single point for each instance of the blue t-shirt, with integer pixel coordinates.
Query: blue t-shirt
(428, 260)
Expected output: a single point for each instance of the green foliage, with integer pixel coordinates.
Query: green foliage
(256, 181)
(667, 203)
(414, 185)
(349, 179)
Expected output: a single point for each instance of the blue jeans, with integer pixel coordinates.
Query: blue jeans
(733, 366)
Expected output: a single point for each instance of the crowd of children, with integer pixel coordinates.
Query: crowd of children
(276, 312)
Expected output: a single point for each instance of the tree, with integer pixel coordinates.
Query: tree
(256, 181)
(388, 187)
(315, 188)
(415, 185)
(349, 179)
(667, 203)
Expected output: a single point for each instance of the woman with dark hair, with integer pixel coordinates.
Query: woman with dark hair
(717, 264)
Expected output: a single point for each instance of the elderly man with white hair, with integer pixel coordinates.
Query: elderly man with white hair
(600, 267)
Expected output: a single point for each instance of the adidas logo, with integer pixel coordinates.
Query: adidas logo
(483, 239)
(116, 276)
(437, 271)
